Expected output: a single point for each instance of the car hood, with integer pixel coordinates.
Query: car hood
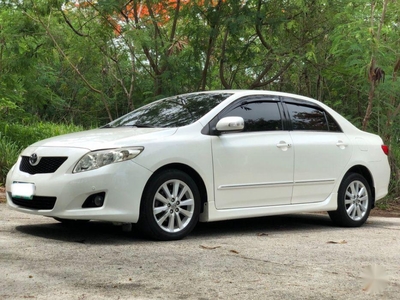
(104, 138)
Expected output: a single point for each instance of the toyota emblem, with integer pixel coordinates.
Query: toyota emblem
(33, 159)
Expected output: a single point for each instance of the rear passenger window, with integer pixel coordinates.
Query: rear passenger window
(307, 118)
(333, 125)
(258, 115)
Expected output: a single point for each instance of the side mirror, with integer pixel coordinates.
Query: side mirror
(230, 124)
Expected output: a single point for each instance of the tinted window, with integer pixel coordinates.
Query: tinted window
(258, 116)
(333, 125)
(307, 118)
(172, 112)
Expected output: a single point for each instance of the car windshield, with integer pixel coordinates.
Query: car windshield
(171, 112)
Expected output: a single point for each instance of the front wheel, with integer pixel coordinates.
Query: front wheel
(170, 206)
(354, 202)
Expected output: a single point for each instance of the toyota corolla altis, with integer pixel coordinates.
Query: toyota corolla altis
(205, 156)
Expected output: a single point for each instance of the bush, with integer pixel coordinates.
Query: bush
(9, 155)
(15, 137)
(25, 135)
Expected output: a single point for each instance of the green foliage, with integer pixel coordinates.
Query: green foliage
(15, 137)
(63, 62)
(24, 135)
(9, 154)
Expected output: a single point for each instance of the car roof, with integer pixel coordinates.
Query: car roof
(259, 92)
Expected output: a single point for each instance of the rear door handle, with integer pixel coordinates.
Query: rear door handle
(341, 144)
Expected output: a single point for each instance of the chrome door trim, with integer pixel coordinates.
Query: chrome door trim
(274, 184)
(253, 185)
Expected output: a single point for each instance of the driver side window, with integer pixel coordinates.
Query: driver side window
(258, 115)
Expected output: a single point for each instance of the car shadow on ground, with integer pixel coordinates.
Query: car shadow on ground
(257, 226)
(87, 233)
(96, 232)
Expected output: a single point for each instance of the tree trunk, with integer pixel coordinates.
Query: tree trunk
(368, 111)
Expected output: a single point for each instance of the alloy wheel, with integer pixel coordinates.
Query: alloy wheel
(356, 200)
(173, 206)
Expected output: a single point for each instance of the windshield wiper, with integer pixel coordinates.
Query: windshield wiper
(138, 125)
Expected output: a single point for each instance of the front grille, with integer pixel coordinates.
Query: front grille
(45, 165)
(37, 202)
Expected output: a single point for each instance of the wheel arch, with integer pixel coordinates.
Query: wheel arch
(191, 172)
(362, 170)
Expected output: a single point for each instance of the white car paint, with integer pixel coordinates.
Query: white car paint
(266, 171)
(318, 166)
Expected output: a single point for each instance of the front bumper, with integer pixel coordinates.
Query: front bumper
(122, 183)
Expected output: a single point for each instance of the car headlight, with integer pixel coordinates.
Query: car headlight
(97, 159)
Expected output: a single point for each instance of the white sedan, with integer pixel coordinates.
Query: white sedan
(205, 157)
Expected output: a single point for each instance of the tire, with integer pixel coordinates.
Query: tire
(170, 206)
(354, 202)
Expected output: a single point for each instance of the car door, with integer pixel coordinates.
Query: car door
(253, 167)
(321, 152)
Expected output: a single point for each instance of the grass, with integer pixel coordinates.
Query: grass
(27, 134)
(15, 137)
(9, 154)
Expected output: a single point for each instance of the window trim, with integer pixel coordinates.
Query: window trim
(300, 102)
(209, 129)
(282, 102)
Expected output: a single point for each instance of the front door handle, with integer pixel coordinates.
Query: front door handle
(283, 145)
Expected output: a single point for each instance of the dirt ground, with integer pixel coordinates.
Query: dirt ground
(299, 256)
(386, 208)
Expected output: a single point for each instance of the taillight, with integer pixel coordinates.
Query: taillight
(385, 149)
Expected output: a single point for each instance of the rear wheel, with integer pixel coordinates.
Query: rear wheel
(170, 206)
(354, 201)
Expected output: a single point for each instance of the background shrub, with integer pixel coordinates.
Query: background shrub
(25, 135)
(15, 137)
(9, 154)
